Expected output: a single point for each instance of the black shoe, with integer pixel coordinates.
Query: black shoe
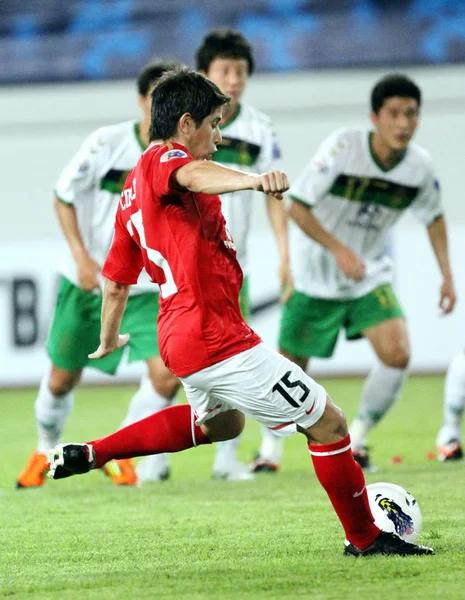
(362, 457)
(262, 465)
(388, 543)
(70, 459)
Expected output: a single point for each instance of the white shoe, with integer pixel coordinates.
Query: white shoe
(232, 470)
(153, 468)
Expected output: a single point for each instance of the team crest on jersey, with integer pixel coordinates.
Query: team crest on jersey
(320, 165)
(173, 154)
(83, 167)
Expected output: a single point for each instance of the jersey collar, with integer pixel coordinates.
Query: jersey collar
(234, 117)
(376, 160)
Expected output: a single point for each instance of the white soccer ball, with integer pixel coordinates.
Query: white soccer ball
(395, 510)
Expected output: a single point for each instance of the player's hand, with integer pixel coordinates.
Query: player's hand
(448, 296)
(88, 271)
(105, 349)
(286, 281)
(350, 263)
(274, 183)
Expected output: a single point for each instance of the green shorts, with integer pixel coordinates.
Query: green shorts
(75, 330)
(310, 326)
(244, 300)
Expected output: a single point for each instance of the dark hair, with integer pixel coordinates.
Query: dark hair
(393, 85)
(151, 73)
(178, 92)
(223, 42)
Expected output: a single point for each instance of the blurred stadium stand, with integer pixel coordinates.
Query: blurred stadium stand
(51, 40)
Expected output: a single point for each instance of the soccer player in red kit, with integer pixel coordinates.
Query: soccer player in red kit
(169, 221)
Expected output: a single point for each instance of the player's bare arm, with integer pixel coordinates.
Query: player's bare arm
(278, 219)
(208, 177)
(437, 233)
(115, 296)
(87, 268)
(347, 260)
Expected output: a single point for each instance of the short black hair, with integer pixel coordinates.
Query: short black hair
(182, 91)
(223, 42)
(391, 85)
(151, 73)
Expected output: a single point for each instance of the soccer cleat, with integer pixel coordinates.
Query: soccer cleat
(35, 472)
(232, 470)
(362, 457)
(70, 459)
(388, 544)
(450, 451)
(263, 465)
(121, 471)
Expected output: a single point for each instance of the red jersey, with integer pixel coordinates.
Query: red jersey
(181, 239)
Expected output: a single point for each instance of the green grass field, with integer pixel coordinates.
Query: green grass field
(194, 538)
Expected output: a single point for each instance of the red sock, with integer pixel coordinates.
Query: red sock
(169, 430)
(344, 482)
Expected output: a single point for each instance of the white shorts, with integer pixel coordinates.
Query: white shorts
(260, 383)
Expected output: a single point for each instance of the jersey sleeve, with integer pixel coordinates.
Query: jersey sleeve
(169, 161)
(270, 155)
(82, 172)
(320, 173)
(427, 206)
(124, 261)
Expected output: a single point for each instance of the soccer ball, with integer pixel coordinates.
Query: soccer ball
(395, 510)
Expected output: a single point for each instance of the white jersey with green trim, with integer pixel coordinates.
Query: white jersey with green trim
(92, 182)
(358, 201)
(249, 144)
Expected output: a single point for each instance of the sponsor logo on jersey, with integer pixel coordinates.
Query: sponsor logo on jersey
(236, 152)
(113, 181)
(176, 153)
(229, 242)
(367, 217)
(391, 194)
(403, 523)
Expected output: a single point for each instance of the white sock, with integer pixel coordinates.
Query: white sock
(382, 388)
(226, 452)
(51, 415)
(145, 402)
(271, 448)
(454, 401)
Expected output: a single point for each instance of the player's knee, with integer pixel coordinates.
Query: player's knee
(397, 357)
(225, 426)
(234, 426)
(331, 427)
(61, 382)
(336, 422)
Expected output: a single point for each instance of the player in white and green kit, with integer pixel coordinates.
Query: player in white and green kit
(248, 144)
(86, 198)
(345, 202)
